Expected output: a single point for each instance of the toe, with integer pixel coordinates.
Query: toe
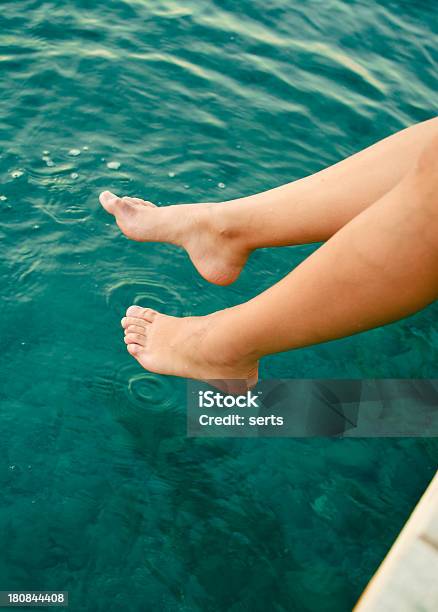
(149, 314)
(127, 321)
(135, 339)
(138, 201)
(109, 201)
(136, 329)
(142, 313)
(121, 208)
(133, 349)
(135, 311)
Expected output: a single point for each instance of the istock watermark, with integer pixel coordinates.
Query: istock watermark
(314, 408)
(210, 399)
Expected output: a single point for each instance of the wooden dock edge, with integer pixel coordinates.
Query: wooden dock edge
(407, 579)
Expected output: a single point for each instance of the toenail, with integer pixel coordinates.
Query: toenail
(134, 308)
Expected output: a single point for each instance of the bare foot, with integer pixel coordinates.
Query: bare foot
(191, 347)
(216, 249)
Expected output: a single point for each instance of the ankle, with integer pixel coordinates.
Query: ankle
(229, 222)
(177, 223)
(225, 340)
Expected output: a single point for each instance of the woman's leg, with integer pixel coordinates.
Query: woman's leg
(219, 237)
(380, 267)
(314, 208)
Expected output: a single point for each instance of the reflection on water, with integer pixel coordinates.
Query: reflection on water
(101, 493)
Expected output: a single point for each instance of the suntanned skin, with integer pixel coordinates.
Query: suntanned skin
(378, 211)
(219, 237)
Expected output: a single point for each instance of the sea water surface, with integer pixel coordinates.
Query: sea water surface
(101, 493)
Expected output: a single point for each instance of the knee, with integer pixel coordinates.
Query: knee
(425, 179)
(427, 165)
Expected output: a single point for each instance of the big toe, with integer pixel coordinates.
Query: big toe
(109, 201)
(134, 311)
(143, 313)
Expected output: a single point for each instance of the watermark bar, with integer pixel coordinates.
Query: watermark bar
(304, 408)
(33, 599)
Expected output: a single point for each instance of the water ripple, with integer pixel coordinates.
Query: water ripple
(151, 392)
(146, 287)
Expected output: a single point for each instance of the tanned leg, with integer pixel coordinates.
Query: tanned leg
(219, 237)
(379, 267)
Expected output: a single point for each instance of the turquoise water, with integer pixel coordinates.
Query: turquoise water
(101, 493)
